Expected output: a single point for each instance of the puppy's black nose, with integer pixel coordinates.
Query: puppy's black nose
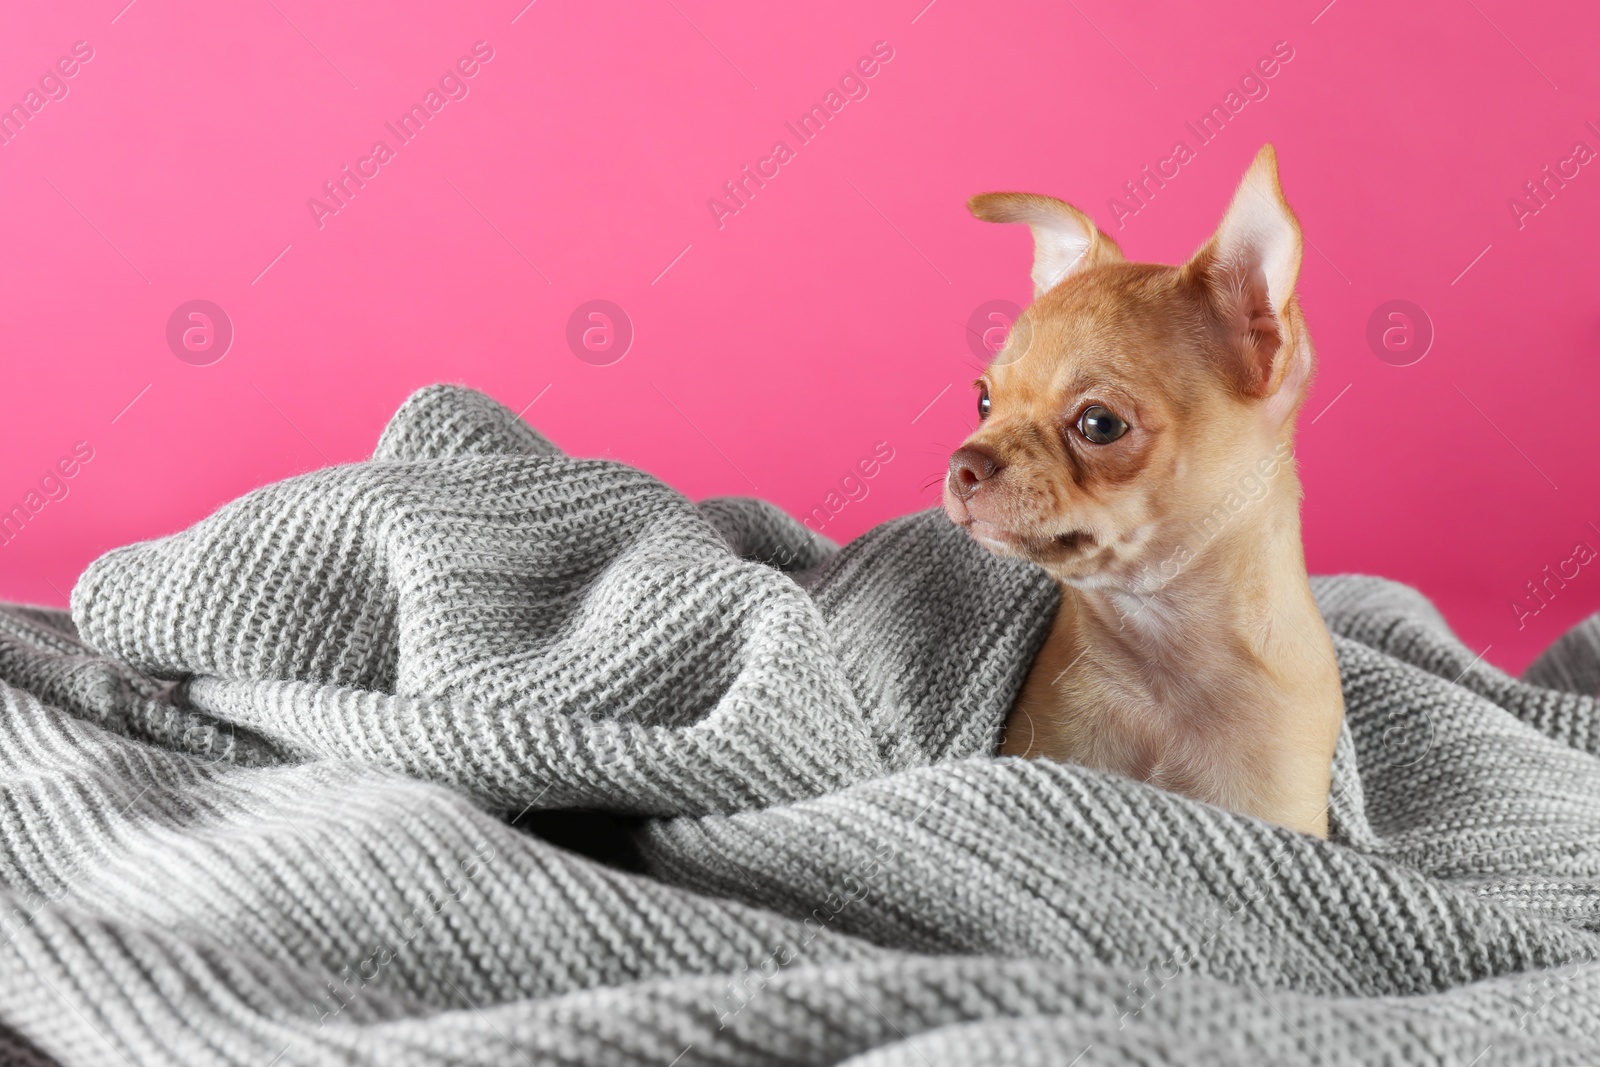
(970, 467)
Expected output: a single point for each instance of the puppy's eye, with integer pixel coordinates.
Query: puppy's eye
(983, 402)
(1100, 425)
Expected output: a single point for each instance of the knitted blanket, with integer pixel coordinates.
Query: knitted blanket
(476, 753)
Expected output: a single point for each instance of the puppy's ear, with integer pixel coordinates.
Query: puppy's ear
(1065, 240)
(1248, 271)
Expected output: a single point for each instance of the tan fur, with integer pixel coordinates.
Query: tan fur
(1187, 651)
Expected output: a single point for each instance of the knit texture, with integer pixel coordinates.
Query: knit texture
(287, 787)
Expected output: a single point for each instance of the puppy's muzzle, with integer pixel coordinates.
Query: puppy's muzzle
(970, 467)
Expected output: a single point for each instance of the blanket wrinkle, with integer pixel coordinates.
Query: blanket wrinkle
(263, 798)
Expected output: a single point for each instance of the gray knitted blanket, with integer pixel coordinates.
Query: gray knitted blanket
(475, 753)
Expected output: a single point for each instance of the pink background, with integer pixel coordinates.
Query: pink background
(773, 352)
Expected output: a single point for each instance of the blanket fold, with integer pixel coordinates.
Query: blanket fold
(259, 793)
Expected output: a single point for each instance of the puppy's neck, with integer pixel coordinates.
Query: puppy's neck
(1219, 681)
(1227, 577)
(1219, 600)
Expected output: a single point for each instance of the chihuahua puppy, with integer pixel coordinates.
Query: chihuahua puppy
(1135, 442)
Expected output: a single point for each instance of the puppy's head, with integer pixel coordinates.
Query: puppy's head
(1131, 400)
